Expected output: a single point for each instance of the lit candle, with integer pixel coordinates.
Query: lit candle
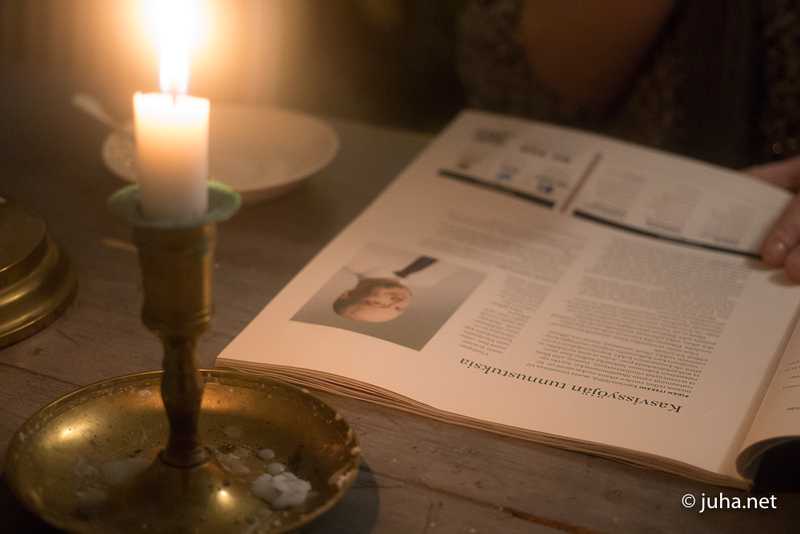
(171, 128)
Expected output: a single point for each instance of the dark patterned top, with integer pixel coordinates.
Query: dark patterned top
(657, 109)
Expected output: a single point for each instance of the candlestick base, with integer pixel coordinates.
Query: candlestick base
(88, 462)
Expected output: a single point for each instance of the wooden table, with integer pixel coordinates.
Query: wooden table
(420, 476)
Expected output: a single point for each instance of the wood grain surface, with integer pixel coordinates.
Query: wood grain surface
(420, 476)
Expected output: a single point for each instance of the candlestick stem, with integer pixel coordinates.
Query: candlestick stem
(176, 276)
(182, 393)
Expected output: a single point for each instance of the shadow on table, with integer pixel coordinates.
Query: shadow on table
(357, 513)
(16, 518)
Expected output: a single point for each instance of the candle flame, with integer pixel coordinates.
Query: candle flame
(177, 26)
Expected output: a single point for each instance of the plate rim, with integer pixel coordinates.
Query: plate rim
(326, 157)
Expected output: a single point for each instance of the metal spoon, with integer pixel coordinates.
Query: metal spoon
(92, 106)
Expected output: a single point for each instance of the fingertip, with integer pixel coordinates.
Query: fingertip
(774, 252)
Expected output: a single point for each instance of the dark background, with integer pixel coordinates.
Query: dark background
(388, 62)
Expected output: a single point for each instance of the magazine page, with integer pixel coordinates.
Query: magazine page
(491, 305)
(778, 419)
(541, 164)
(618, 184)
(650, 193)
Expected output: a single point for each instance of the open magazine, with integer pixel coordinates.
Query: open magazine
(559, 287)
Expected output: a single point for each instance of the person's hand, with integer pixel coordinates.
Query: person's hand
(781, 248)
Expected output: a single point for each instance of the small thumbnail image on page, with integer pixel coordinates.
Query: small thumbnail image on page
(400, 296)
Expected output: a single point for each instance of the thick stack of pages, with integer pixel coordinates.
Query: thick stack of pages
(559, 287)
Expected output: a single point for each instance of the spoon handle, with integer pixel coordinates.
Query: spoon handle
(95, 109)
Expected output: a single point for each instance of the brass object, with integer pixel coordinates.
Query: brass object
(106, 459)
(60, 462)
(177, 263)
(36, 281)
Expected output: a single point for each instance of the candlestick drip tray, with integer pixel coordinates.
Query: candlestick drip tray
(89, 462)
(36, 281)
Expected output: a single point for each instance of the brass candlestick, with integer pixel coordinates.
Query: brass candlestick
(102, 459)
(177, 265)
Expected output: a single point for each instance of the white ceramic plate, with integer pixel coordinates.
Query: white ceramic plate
(259, 152)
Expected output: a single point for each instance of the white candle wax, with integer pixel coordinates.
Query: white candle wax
(172, 155)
